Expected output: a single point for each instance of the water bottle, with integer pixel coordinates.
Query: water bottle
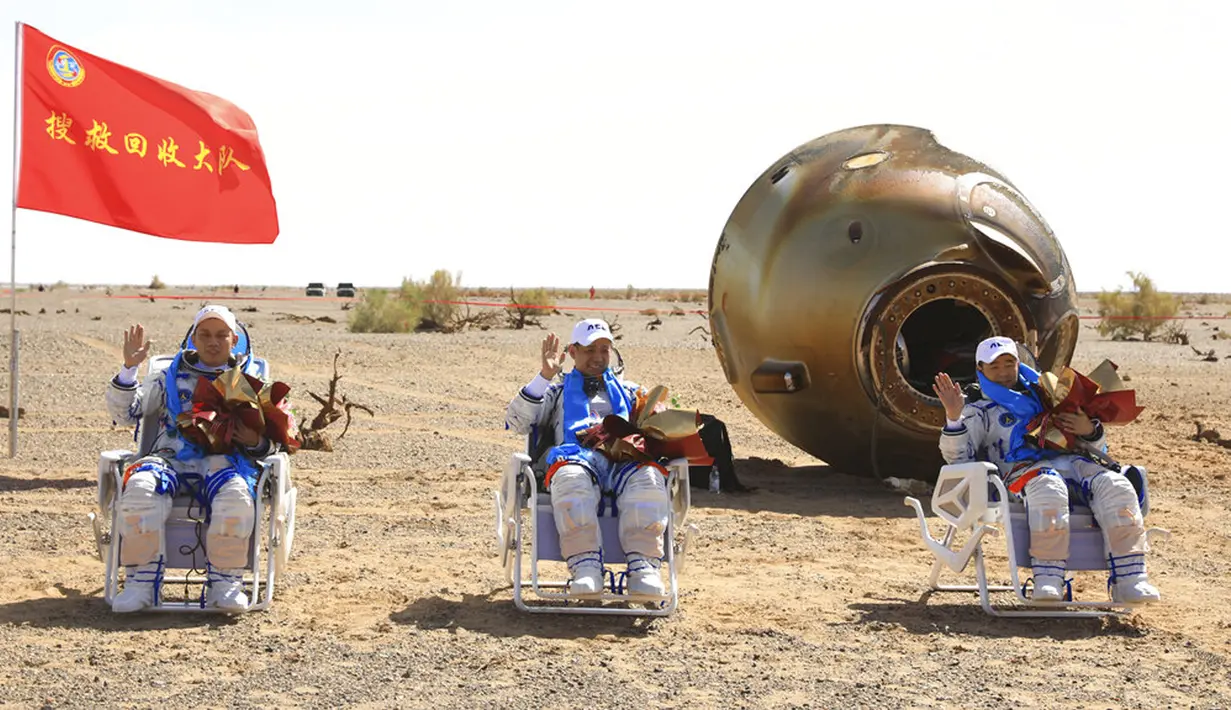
(715, 478)
(909, 486)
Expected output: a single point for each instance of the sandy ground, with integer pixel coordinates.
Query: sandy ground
(808, 592)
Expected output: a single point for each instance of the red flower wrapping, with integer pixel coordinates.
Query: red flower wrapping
(659, 433)
(1101, 396)
(234, 398)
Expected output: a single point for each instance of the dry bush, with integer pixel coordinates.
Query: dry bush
(383, 312)
(672, 295)
(613, 323)
(685, 296)
(432, 305)
(1210, 299)
(333, 408)
(648, 311)
(1143, 311)
(1175, 334)
(157, 282)
(438, 298)
(464, 318)
(518, 315)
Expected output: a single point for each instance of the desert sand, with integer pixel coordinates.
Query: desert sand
(807, 592)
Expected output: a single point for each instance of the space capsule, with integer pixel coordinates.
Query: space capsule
(861, 264)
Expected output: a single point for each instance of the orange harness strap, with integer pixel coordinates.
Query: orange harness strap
(551, 471)
(1019, 485)
(128, 472)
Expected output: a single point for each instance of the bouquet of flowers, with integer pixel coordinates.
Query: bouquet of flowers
(653, 432)
(234, 398)
(1102, 395)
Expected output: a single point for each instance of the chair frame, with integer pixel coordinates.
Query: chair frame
(513, 506)
(274, 526)
(964, 506)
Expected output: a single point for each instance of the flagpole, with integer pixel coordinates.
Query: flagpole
(14, 407)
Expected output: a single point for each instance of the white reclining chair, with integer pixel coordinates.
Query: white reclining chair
(183, 546)
(971, 498)
(518, 500)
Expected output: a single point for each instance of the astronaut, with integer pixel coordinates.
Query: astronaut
(581, 478)
(993, 429)
(223, 483)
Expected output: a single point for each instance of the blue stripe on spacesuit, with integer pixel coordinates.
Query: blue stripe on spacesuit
(167, 482)
(218, 479)
(621, 474)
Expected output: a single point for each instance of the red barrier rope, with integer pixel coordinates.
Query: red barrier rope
(522, 306)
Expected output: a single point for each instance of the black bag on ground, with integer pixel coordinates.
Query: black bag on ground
(718, 446)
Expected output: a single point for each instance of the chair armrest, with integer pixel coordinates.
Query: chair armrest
(681, 497)
(111, 466)
(279, 467)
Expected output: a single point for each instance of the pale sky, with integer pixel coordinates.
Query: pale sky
(576, 144)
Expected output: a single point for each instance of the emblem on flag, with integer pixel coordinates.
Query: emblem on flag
(64, 67)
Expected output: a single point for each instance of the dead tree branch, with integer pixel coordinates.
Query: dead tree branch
(333, 408)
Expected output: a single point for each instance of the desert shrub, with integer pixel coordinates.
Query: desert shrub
(518, 318)
(438, 296)
(681, 296)
(648, 311)
(383, 312)
(157, 282)
(436, 305)
(438, 302)
(1143, 311)
(1175, 333)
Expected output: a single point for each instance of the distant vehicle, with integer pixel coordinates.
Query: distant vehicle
(316, 288)
(346, 289)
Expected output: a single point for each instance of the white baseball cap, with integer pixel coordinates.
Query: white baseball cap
(589, 330)
(221, 313)
(993, 348)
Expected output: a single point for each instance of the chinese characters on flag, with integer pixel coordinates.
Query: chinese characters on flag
(112, 145)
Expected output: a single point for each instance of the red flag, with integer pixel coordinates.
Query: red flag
(112, 145)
